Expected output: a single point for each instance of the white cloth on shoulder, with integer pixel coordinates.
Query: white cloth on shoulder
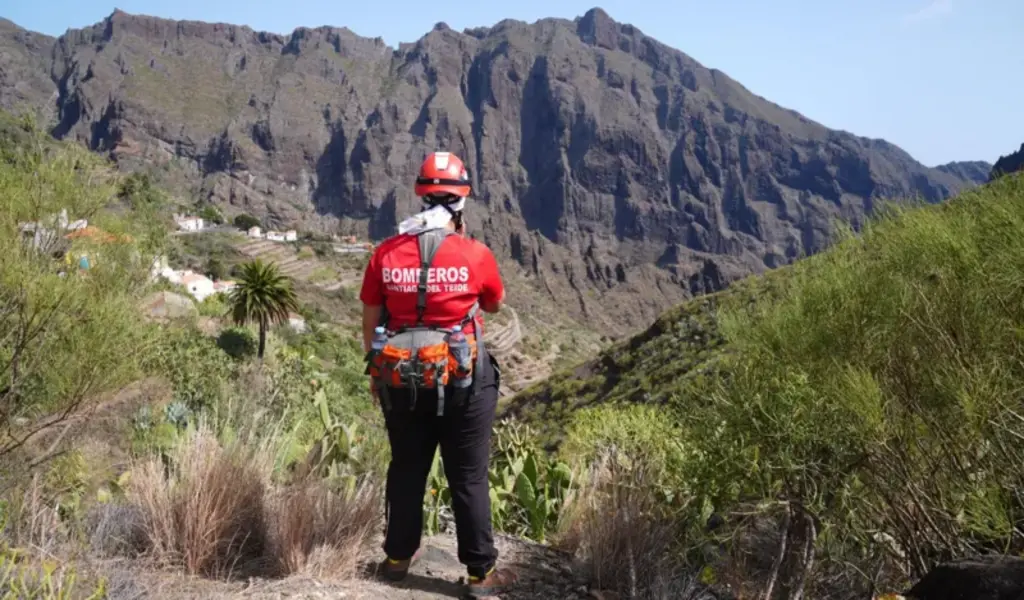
(434, 217)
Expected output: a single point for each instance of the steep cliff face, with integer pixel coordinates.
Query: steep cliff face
(25, 68)
(1011, 163)
(617, 173)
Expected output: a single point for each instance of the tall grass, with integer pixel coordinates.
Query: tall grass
(619, 529)
(217, 509)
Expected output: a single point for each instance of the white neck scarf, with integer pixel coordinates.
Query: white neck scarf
(434, 217)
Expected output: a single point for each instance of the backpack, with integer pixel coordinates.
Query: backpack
(419, 357)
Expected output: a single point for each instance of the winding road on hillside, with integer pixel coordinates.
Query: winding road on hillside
(519, 370)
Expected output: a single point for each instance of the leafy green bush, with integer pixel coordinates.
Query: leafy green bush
(215, 306)
(70, 334)
(244, 221)
(215, 269)
(196, 367)
(48, 580)
(211, 214)
(633, 430)
(238, 342)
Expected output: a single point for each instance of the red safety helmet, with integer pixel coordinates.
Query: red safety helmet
(442, 176)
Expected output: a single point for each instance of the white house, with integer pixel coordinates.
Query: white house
(198, 285)
(296, 322)
(45, 232)
(290, 235)
(276, 236)
(159, 268)
(190, 223)
(224, 286)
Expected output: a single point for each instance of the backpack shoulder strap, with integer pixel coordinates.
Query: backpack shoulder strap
(429, 242)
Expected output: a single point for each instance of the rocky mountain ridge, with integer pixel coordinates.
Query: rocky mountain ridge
(612, 172)
(1010, 163)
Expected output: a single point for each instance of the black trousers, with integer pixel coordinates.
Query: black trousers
(464, 435)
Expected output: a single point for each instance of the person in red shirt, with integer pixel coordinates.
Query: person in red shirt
(463, 273)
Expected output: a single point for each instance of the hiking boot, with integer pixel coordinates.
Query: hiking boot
(495, 582)
(396, 570)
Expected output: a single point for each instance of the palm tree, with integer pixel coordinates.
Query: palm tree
(264, 296)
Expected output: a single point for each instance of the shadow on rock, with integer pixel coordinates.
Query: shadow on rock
(979, 578)
(433, 585)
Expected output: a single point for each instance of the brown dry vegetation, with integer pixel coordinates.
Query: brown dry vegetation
(216, 511)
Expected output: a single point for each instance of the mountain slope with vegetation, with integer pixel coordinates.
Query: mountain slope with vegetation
(865, 400)
(143, 451)
(614, 176)
(834, 428)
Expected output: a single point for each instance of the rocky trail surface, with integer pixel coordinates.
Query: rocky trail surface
(543, 572)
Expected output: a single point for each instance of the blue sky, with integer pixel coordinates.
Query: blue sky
(940, 78)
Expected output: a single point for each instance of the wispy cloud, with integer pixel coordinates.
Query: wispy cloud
(933, 10)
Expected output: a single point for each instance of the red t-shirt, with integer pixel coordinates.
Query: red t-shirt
(463, 272)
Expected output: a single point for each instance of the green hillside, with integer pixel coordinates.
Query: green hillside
(872, 391)
(863, 405)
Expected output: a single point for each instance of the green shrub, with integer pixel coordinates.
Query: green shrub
(244, 221)
(215, 306)
(211, 214)
(238, 342)
(70, 334)
(196, 367)
(885, 372)
(633, 430)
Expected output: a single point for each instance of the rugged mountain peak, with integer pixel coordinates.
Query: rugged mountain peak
(611, 169)
(599, 29)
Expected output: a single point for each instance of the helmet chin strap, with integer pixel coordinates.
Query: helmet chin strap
(446, 202)
(456, 216)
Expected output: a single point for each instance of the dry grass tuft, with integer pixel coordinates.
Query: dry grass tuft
(623, 541)
(204, 511)
(32, 519)
(313, 530)
(214, 510)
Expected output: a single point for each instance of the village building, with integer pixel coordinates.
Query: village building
(224, 287)
(190, 223)
(200, 286)
(283, 236)
(297, 322)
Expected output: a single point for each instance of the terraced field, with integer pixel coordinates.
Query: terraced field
(288, 261)
(519, 370)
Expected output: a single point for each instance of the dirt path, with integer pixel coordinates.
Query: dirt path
(543, 572)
